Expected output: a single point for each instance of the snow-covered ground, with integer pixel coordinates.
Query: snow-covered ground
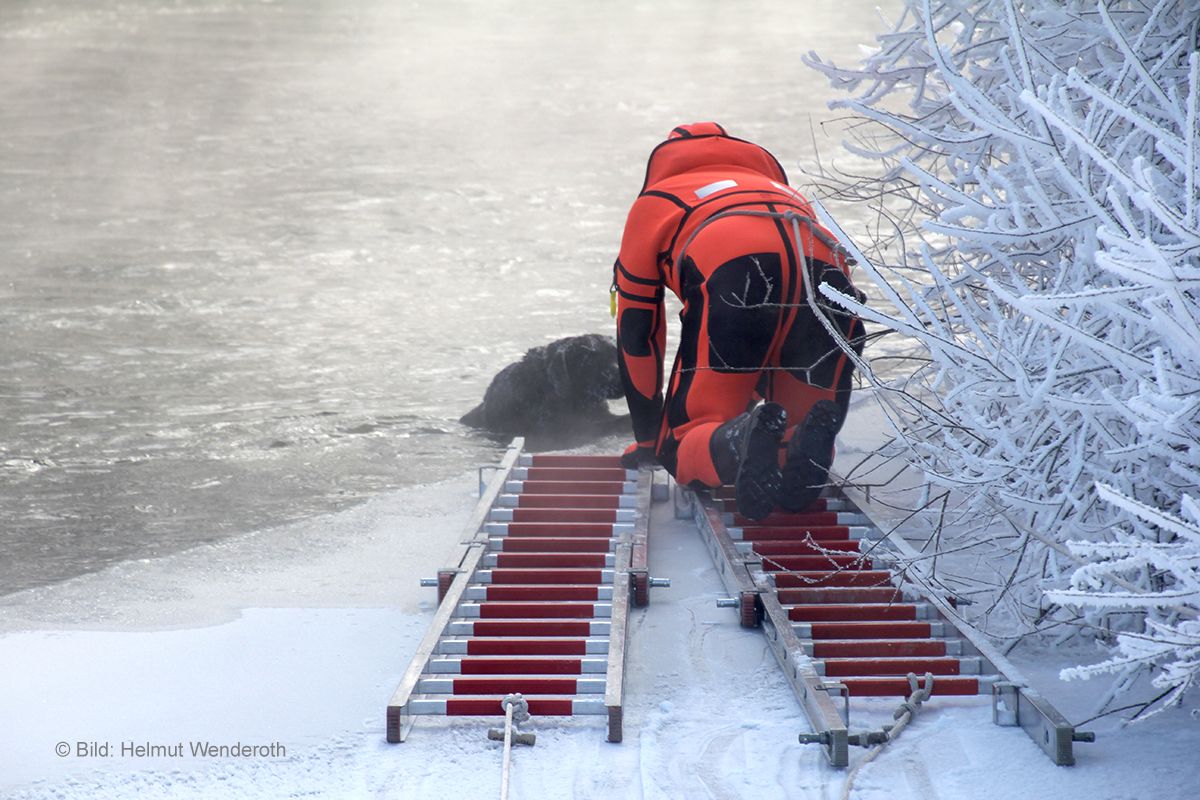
(293, 639)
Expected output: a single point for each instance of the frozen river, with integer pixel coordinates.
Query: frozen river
(256, 258)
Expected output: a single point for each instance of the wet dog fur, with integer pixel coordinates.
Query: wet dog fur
(558, 392)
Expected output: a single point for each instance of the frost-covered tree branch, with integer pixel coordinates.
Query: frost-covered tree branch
(1041, 161)
(1170, 640)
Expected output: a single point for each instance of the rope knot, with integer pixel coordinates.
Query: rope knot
(520, 707)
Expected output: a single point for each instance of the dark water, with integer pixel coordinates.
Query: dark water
(257, 257)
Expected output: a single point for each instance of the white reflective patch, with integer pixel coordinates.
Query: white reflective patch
(787, 189)
(705, 191)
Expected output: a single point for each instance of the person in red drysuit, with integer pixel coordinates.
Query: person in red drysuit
(717, 224)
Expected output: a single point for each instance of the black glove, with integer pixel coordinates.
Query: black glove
(638, 454)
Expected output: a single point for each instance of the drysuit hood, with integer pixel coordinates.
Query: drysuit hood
(706, 144)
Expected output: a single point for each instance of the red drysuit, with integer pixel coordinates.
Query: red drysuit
(711, 224)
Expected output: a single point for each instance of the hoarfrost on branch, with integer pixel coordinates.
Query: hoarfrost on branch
(1039, 167)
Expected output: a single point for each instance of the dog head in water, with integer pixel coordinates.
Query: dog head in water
(557, 390)
(584, 368)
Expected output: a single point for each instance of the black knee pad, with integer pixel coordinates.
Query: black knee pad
(744, 296)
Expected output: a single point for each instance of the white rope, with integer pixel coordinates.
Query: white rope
(903, 714)
(516, 712)
(507, 760)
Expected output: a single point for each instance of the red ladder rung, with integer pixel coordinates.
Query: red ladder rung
(573, 515)
(815, 562)
(870, 630)
(526, 686)
(535, 610)
(820, 519)
(521, 666)
(581, 488)
(725, 494)
(529, 628)
(479, 707)
(553, 460)
(527, 647)
(535, 529)
(545, 544)
(803, 579)
(576, 576)
(840, 594)
(898, 687)
(813, 512)
(799, 548)
(780, 533)
(533, 560)
(568, 501)
(845, 667)
(542, 592)
(540, 473)
(879, 648)
(846, 612)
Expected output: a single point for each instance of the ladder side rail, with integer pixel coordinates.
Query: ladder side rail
(639, 562)
(495, 486)
(629, 567)
(465, 559)
(614, 686)
(399, 720)
(809, 687)
(732, 565)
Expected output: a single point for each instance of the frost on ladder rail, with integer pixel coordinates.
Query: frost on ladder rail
(536, 598)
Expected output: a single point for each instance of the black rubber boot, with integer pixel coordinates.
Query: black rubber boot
(809, 456)
(745, 450)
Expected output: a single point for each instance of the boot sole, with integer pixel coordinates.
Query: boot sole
(809, 456)
(759, 480)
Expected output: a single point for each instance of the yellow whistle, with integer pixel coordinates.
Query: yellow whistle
(612, 303)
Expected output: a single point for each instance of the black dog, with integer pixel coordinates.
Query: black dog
(559, 390)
